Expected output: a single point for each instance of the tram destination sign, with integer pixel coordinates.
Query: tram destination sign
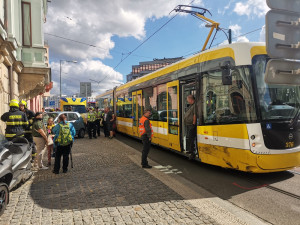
(283, 42)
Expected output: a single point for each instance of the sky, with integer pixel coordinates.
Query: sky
(100, 35)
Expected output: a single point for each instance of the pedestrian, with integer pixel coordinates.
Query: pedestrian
(40, 139)
(146, 134)
(64, 137)
(16, 121)
(109, 122)
(91, 118)
(50, 125)
(190, 120)
(97, 121)
(105, 122)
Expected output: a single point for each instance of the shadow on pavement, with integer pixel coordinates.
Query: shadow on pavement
(102, 177)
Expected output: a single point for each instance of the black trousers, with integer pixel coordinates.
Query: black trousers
(63, 151)
(146, 149)
(91, 129)
(191, 132)
(97, 126)
(105, 128)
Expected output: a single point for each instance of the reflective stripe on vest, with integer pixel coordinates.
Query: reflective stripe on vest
(12, 135)
(142, 126)
(17, 123)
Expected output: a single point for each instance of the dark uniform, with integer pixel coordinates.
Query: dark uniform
(146, 133)
(28, 132)
(97, 121)
(91, 118)
(16, 122)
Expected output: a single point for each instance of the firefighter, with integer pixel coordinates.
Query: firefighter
(91, 118)
(16, 121)
(146, 133)
(97, 121)
(30, 116)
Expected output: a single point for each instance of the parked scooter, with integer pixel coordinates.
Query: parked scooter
(15, 165)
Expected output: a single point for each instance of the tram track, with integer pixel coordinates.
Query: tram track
(270, 187)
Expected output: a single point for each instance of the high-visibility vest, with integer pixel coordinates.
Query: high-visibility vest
(98, 115)
(91, 117)
(142, 126)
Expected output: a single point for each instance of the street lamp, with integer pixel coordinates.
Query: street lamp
(60, 61)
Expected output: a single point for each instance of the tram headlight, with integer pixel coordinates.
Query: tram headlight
(253, 145)
(252, 137)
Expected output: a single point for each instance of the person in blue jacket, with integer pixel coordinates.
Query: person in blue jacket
(64, 137)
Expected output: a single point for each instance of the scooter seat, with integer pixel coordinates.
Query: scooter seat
(18, 150)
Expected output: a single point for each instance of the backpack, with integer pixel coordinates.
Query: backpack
(64, 136)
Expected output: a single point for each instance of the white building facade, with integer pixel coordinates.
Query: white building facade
(24, 69)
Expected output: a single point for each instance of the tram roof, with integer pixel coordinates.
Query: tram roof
(242, 53)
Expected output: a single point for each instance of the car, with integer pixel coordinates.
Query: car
(72, 117)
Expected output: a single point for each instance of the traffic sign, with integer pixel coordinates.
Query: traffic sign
(288, 5)
(283, 34)
(283, 72)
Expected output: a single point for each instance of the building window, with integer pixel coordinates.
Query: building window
(26, 23)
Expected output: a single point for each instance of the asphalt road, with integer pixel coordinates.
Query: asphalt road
(273, 197)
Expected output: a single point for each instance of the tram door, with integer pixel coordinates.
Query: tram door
(136, 111)
(173, 115)
(187, 88)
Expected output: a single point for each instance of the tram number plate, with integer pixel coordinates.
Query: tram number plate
(289, 144)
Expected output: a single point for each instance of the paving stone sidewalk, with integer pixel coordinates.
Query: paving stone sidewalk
(104, 187)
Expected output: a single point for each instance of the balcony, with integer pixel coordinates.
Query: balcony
(34, 57)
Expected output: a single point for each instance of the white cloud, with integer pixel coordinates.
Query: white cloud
(251, 8)
(223, 10)
(95, 22)
(73, 74)
(236, 31)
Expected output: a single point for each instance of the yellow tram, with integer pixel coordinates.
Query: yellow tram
(242, 122)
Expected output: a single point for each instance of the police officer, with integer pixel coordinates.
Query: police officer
(146, 133)
(98, 114)
(91, 118)
(16, 121)
(30, 116)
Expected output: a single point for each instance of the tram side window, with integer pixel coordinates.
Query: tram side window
(162, 102)
(120, 106)
(128, 106)
(149, 101)
(225, 104)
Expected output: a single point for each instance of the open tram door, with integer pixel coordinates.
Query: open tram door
(187, 87)
(136, 111)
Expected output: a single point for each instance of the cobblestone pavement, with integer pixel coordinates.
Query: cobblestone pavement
(104, 187)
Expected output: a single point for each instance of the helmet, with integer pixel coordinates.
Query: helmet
(91, 107)
(14, 103)
(23, 103)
